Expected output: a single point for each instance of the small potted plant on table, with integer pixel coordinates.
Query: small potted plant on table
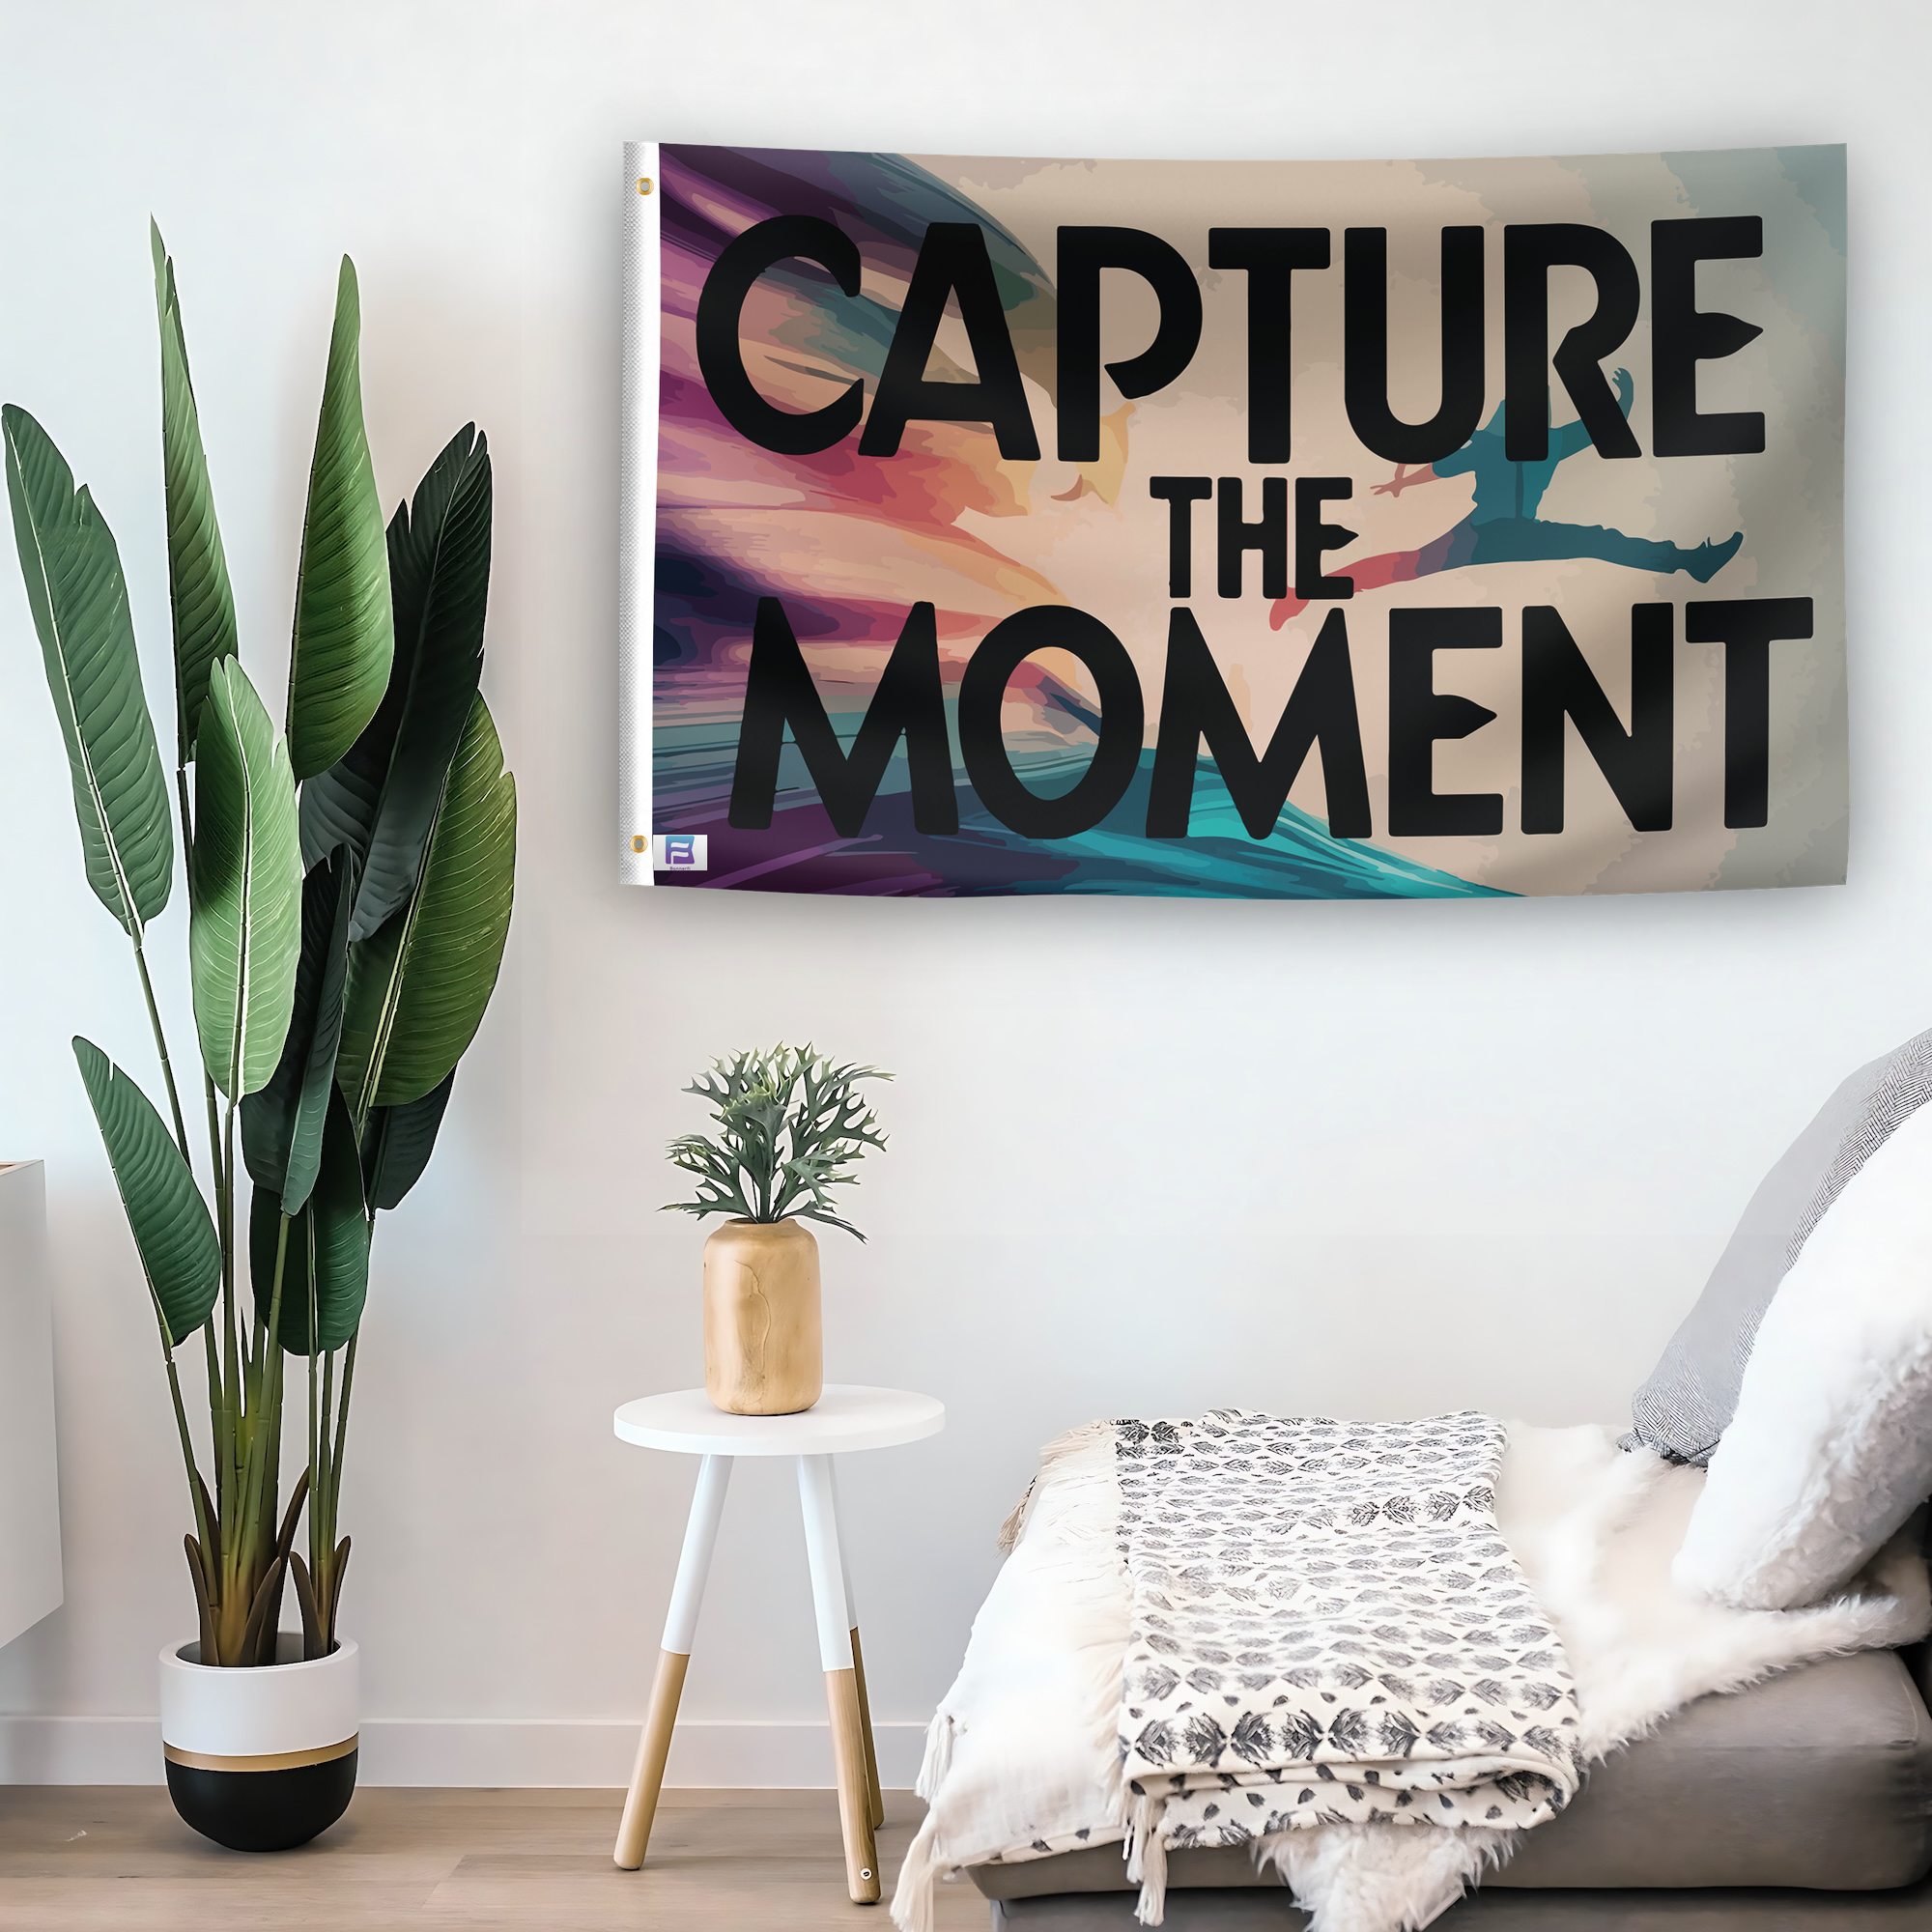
(791, 1126)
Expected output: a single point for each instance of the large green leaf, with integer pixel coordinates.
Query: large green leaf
(381, 797)
(79, 601)
(244, 887)
(325, 1264)
(398, 1142)
(198, 590)
(344, 636)
(281, 1126)
(418, 987)
(176, 1238)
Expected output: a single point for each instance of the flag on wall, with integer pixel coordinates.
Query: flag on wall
(1260, 530)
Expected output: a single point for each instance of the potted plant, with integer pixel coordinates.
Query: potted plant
(348, 896)
(791, 1126)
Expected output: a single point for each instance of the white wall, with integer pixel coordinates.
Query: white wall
(1148, 1156)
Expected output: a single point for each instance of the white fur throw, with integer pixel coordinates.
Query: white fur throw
(1831, 1448)
(1023, 1757)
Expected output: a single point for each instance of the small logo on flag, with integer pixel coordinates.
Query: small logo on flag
(679, 852)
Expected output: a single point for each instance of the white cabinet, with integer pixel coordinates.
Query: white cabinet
(30, 1553)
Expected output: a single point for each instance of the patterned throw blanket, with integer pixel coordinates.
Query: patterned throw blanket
(1328, 1628)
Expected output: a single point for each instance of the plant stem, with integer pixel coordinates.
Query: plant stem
(322, 1521)
(232, 1419)
(342, 1407)
(242, 1576)
(236, 1417)
(335, 1482)
(193, 1474)
(263, 1438)
(230, 1359)
(317, 1434)
(342, 1418)
(219, 1421)
(161, 1047)
(213, 1139)
(194, 1484)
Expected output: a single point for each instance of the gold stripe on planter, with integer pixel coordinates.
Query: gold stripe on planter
(267, 1761)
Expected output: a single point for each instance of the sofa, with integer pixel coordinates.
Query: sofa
(1802, 1383)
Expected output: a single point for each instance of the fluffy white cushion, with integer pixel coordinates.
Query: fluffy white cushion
(1831, 1448)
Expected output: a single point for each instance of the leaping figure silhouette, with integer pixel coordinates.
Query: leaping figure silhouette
(1502, 525)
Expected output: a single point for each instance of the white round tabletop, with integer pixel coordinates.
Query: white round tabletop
(845, 1418)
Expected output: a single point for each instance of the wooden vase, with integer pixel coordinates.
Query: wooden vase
(764, 1348)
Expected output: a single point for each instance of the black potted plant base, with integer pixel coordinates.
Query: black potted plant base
(261, 1759)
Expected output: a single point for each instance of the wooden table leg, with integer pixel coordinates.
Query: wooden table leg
(694, 1564)
(877, 1797)
(874, 1796)
(842, 1683)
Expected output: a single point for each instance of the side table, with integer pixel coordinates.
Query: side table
(844, 1419)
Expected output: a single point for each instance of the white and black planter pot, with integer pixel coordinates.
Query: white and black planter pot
(260, 1760)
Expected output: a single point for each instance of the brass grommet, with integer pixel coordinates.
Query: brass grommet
(638, 843)
(643, 183)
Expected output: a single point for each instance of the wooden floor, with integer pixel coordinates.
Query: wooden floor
(76, 1859)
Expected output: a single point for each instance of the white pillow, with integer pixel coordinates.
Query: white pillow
(1831, 1448)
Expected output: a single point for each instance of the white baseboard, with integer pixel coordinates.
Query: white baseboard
(480, 1751)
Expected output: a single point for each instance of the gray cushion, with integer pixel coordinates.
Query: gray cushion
(1693, 1393)
(1503, 1911)
(1821, 1777)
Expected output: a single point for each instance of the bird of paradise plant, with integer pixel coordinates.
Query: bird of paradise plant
(349, 886)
